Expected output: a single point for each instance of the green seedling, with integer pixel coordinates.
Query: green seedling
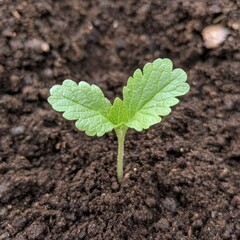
(149, 94)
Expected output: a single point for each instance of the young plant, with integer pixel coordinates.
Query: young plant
(149, 94)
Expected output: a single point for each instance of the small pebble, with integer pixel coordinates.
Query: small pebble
(17, 130)
(115, 24)
(150, 202)
(44, 93)
(213, 214)
(2, 69)
(16, 14)
(7, 32)
(170, 204)
(162, 224)
(223, 173)
(115, 186)
(15, 81)
(4, 192)
(197, 223)
(176, 189)
(215, 8)
(235, 26)
(47, 72)
(236, 201)
(36, 230)
(3, 213)
(71, 216)
(4, 186)
(4, 235)
(9, 207)
(227, 234)
(214, 35)
(92, 228)
(37, 45)
(30, 93)
(127, 175)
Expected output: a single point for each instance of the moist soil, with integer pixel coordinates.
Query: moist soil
(181, 177)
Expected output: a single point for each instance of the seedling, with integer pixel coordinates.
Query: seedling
(149, 94)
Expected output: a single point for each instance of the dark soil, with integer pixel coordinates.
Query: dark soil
(182, 176)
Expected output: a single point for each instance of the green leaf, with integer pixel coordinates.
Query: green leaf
(84, 103)
(150, 94)
(118, 113)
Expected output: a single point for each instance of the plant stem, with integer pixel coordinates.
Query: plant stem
(121, 132)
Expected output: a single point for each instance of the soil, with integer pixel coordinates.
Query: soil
(182, 176)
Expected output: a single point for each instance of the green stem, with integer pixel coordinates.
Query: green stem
(121, 132)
